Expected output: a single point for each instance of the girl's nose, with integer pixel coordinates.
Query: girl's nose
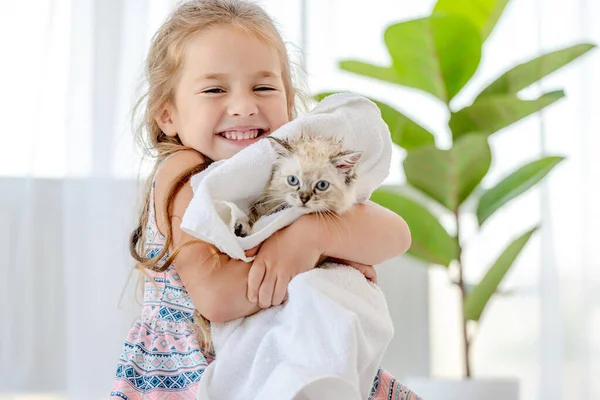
(242, 106)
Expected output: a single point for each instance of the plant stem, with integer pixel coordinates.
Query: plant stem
(463, 292)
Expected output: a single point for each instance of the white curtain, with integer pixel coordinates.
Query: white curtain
(68, 192)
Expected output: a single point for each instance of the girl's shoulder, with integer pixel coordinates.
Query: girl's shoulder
(174, 166)
(174, 172)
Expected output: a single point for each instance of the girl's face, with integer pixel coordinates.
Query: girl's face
(230, 93)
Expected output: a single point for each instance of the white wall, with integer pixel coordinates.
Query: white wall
(65, 294)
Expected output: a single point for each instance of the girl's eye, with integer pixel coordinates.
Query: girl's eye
(322, 185)
(214, 90)
(263, 88)
(293, 181)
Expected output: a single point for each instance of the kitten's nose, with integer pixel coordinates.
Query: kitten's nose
(304, 197)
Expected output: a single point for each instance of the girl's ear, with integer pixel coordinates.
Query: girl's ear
(164, 119)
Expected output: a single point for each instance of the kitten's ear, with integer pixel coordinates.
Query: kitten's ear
(346, 161)
(281, 147)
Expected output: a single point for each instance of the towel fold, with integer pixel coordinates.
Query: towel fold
(325, 342)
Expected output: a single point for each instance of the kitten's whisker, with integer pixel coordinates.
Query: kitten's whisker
(269, 205)
(331, 222)
(340, 219)
(270, 196)
(323, 221)
(279, 207)
(338, 223)
(266, 200)
(277, 201)
(273, 206)
(320, 217)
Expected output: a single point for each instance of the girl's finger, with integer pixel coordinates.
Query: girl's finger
(255, 279)
(281, 285)
(265, 292)
(252, 252)
(370, 273)
(367, 270)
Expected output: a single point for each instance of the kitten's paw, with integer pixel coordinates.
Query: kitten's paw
(241, 229)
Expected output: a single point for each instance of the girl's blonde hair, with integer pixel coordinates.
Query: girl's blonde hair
(163, 66)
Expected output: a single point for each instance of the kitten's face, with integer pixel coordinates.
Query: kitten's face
(314, 173)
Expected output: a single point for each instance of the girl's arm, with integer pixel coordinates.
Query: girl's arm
(216, 283)
(367, 234)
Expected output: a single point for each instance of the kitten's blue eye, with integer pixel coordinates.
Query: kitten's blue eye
(293, 181)
(322, 185)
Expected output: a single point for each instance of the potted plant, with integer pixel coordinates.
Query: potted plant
(439, 54)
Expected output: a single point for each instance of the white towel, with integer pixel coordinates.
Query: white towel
(329, 337)
(230, 185)
(325, 342)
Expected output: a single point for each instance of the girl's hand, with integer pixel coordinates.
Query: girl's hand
(281, 257)
(367, 270)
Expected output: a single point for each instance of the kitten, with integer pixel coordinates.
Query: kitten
(309, 171)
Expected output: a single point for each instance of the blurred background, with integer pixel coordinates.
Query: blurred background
(69, 190)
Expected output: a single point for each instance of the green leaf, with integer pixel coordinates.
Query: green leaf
(405, 132)
(436, 54)
(430, 241)
(476, 301)
(492, 113)
(513, 185)
(526, 74)
(483, 14)
(387, 74)
(322, 95)
(449, 176)
(469, 288)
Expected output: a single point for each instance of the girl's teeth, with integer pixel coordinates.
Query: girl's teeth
(241, 135)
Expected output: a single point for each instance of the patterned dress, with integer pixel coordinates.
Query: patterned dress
(162, 358)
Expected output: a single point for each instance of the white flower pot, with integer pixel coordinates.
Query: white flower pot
(473, 389)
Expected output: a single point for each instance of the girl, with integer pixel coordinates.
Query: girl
(219, 80)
